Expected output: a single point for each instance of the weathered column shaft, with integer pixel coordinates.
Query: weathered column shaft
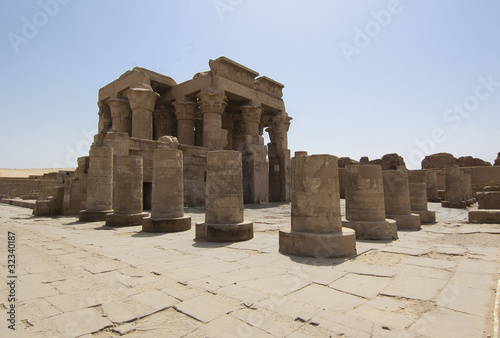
(168, 186)
(453, 187)
(432, 187)
(120, 114)
(364, 193)
(128, 175)
(212, 104)
(396, 192)
(186, 114)
(142, 100)
(315, 194)
(224, 188)
(100, 180)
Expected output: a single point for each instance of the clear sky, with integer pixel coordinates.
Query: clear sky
(362, 78)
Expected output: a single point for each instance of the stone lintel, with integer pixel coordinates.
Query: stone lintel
(230, 69)
(269, 86)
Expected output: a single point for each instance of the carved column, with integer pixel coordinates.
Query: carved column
(255, 169)
(120, 115)
(279, 159)
(185, 113)
(142, 100)
(228, 124)
(105, 120)
(212, 103)
(163, 121)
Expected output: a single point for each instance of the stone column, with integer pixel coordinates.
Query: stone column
(316, 222)
(167, 211)
(142, 100)
(418, 196)
(279, 159)
(228, 124)
(397, 200)
(105, 120)
(342, 182)
(163, 122)
(255, 168)
(364, 203)
(185, 113)
(468, 189)
(127, 191)
(99, 185)
(120, 115)
(432, 187)
(453, 188)
(212, 104)
(224, 202)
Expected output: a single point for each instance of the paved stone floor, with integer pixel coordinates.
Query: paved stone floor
(85, 279)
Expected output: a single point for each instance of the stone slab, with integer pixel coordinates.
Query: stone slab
(448, 323)
(208, 307)
(361, 285)
(320, 245)
(376, 230)
(414, 287)
(93, 216)
(224, 232)
(156, 299)
(484, 216)
(80, 322)
(166, 225)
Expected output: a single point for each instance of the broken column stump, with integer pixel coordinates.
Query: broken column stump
(167, 211)
(224, 221)
(365, 208)
(127, 192)
(397, 200)
(418, 196)
(100, 185)
(316, 220)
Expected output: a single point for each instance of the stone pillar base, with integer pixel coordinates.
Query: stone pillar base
(407, 222)
(456, 205)
(124, 220)
(387, 229)
(484, 216)
(320, 245)
(426, 216)
(166, 224)
(434, 199)
(93, 216)
(224, 232)
(470, 201)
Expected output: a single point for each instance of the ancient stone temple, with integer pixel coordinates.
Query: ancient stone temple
(228, 107)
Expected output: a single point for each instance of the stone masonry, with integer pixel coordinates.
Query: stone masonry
(316, 229)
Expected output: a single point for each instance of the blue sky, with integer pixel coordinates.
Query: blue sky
(362, 78)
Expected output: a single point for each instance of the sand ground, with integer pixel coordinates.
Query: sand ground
(27, 172)
(85, 279)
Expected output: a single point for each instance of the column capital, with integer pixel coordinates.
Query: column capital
(251, 114)
(118, 107)
(141, 96)
(212, 101)
(185, 110)
(280, 122)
